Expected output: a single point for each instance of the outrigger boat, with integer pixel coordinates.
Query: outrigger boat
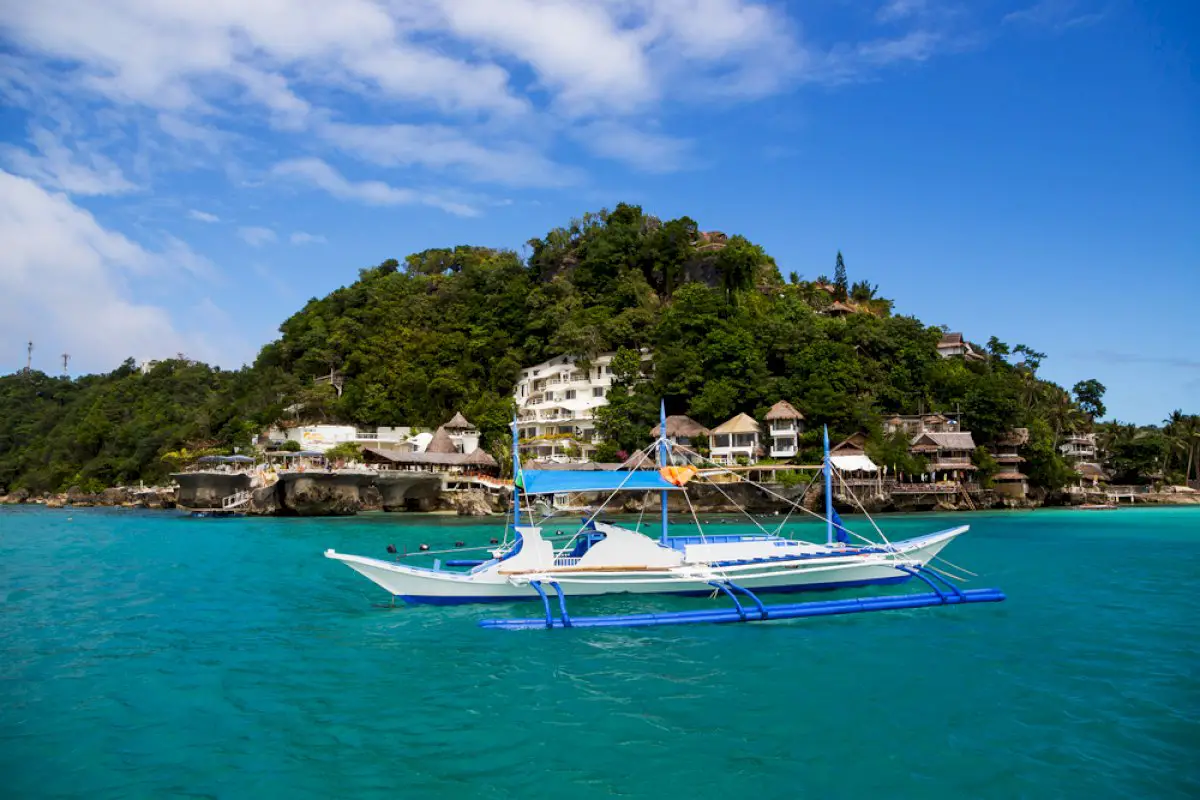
(604, 559)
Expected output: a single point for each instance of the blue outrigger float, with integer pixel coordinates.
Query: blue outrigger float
(606, 559)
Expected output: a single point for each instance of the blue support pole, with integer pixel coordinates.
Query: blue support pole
(516, 465)
(537, 587)
(828, 491)
(662, 462)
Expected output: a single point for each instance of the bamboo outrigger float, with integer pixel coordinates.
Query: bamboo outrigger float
(604, 559)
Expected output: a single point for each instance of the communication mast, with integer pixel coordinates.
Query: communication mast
(66, 360)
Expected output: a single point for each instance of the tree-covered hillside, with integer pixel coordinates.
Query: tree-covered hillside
(449, 330)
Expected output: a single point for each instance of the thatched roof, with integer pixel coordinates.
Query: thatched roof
(1008, 476)
(642, 460)
(478, 458)
(742, 423)
(458, 423)
(1015, 437)
(441, 442)
(950, 340)
(851, 445)
(838, 307)
(681, 425)
(943, 441)
(783, 410)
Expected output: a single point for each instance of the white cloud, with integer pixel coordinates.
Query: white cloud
(650, 152)
(57, 166)
(203, 216)
(256, 236)
(317, 173)
(441, 147)
(70, 285)
(1055, 14)
(300, 237)
(895, 10)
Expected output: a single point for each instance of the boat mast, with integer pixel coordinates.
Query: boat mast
(516, 465)
(828, 491)
(662, 462)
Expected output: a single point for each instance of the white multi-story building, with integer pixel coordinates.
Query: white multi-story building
(556, 406)
(735, 439)
(785, 424)
(1079, 447)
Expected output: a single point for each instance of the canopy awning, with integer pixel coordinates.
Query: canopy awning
(854, 463)
(554, 481)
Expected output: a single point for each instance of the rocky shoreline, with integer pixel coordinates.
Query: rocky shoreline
(341, 495)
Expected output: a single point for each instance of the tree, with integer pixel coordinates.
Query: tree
(998, 349)
(840, 283)
(344, 451)
(1089, 395)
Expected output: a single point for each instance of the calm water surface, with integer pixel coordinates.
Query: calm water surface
(148, 655)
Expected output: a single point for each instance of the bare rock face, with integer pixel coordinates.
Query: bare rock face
(265, 500)
(319, 495)
(78, 497)
(472, 504)
(117, 496)
(372, 498)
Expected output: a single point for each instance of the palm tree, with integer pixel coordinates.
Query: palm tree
(1183, 434)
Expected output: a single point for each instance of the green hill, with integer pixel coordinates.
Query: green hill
(449, 330)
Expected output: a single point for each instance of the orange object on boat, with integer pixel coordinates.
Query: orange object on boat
(678, 475)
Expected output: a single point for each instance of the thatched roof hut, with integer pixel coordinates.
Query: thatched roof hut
(478, 458)
(459, 423)
(742, 423)
(441, 442)
(681, 426)
(783, 410)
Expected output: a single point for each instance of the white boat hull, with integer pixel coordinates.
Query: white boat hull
(816, 568)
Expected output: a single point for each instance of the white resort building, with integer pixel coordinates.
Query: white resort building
(556, 406)
(784, 424)
(735, 439)
(1079, 447)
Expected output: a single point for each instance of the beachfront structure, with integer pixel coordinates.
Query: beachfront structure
(1009, 480)
(784, 426)
(453, 447)
(948, 454)
(462, 433)
(913, 424)
(556, 406)
(735, 439)
(683, 431)
(1079, 447)
(953, 344)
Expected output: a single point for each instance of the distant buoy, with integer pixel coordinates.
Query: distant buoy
(558, 532)
(495, 540)
(458, 544)
(424, 547)
(392, 548)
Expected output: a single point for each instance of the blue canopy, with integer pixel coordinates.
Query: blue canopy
(554, 481)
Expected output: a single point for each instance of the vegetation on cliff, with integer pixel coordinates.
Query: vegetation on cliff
(449, 330)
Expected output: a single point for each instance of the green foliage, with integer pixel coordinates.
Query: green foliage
(449, 329)
(290, 446)
(987, 466)
(1043, 464)
(840, 281)
(344, 451)
(1089, 395)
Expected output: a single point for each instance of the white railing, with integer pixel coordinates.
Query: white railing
(236, 499)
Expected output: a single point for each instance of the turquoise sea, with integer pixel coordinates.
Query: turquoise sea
(144, 654)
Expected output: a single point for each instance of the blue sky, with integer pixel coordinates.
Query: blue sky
(180, 177)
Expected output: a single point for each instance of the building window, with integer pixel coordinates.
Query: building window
(598, 391)
(570, 394)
